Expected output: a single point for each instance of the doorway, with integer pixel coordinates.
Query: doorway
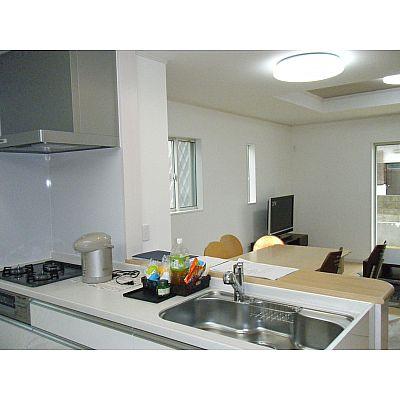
(387, 202)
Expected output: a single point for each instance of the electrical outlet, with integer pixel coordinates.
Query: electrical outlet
(145, 232)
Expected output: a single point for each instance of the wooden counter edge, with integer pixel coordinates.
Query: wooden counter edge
(342, 290)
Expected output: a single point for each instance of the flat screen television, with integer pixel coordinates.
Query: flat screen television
(280, 214)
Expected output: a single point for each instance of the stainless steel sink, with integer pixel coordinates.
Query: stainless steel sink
(266, 323)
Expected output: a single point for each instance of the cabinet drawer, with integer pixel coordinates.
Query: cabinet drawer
(14, 335)
(150, 341)
(81, 328)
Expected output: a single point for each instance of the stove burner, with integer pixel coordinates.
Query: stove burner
(41, 273)
(38, 277)
(17, 272)
(53, 267)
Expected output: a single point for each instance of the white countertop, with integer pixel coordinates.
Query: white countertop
(111, 305)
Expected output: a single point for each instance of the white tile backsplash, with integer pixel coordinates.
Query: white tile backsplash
(87, 196)
(36, 218)
(25, 224)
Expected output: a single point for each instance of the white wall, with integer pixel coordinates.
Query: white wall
(153, 142)
(128, 111)
(87, 196)
(332, 171)
(25, 230)
(223, 142)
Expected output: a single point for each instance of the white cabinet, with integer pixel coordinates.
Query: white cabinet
(15, 335)
(44, 342)
(83, 329)
(96, 333)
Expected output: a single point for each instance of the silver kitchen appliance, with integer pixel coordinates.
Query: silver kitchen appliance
(58, 101)
(96, 256)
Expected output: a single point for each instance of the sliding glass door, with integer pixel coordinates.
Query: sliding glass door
(387, 202)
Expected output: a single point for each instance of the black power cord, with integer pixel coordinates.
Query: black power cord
(122, 276)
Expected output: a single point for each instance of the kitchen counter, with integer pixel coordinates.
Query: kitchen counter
(309, 280)
(346, 287)
(305, 258)
(73, 294)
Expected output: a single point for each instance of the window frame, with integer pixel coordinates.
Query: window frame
(197, 181)
(251, 173)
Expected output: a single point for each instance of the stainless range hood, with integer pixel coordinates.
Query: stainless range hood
(48, 142)
(58, 101)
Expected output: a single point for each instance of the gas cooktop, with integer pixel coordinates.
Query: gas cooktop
(40, 274)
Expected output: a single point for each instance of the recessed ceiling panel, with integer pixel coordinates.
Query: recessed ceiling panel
(352, 88)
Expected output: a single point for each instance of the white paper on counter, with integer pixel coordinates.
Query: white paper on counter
(211, 261)
(258, 270)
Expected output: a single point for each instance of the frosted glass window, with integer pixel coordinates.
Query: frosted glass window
(251, 174)
(186, 170)
(182, 174)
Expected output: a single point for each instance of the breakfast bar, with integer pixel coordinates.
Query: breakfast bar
(305, 258)
(306, 279)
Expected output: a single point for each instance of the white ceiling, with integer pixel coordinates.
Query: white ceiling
(241, 82)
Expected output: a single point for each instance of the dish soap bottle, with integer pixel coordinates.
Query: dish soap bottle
(179, 263)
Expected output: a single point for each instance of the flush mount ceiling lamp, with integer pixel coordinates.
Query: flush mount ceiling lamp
(308, 67)
(392, 79)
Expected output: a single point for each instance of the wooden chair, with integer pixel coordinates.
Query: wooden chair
(332, 262)
(216, 249)
(267, 241)
(232, 245)
(372, 266)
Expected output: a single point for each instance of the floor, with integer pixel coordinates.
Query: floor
(352, 269)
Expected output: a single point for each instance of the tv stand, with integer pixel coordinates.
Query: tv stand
(297, 239)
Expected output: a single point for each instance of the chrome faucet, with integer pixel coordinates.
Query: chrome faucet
(236, 279)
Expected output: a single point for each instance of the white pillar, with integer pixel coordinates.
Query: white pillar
(142, 98)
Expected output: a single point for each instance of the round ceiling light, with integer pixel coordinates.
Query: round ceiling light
(308, 67)
(392, 79)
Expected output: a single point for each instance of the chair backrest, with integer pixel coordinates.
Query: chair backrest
(373, 265)
(267, 241)
(216, 249)
(331, 262)
(232, 245)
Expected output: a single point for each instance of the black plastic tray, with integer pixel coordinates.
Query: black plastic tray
(186, 290)
(147, 295)
(149, 290)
